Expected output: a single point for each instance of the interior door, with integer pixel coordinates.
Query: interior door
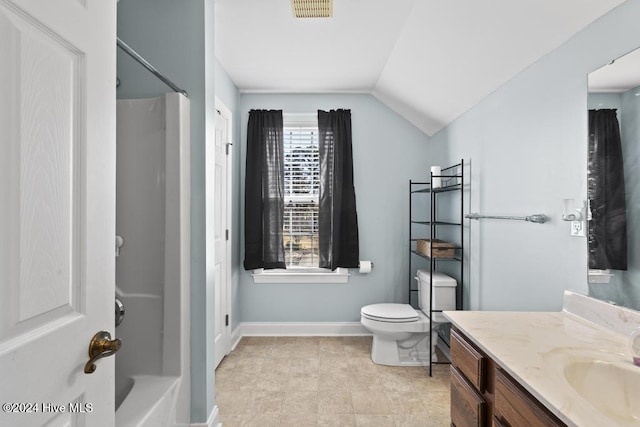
(57, 216)
(222, 230)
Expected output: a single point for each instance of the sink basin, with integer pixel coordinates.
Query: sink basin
(612, 388)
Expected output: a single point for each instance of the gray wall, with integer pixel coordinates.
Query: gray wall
(597, 101)
(388, 151)
(526, 145)
(156, 29)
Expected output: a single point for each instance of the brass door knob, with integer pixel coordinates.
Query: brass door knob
(101, 345)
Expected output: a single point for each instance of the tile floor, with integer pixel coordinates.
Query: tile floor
(325, 381)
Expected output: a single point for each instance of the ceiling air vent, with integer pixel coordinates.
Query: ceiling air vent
(312, 8)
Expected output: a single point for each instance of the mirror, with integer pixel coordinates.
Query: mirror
(613, 179)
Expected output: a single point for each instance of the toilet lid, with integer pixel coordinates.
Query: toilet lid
(390, 312)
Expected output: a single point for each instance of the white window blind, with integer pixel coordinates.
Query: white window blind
(302, 189)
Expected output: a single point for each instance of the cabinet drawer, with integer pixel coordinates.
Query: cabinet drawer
(468, 360)
(515, 407)
(468, 408)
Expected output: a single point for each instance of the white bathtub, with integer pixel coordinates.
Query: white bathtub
(149, 402)
(145, 397)
(152, 270)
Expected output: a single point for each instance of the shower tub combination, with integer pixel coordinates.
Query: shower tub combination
(152, 267)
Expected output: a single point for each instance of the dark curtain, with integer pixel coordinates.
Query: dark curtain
(264, 191)
(338, 220)
(606, 193)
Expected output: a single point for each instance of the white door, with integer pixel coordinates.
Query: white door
(222, 230)
(57, 209)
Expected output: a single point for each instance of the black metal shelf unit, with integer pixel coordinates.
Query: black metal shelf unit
(452, 179)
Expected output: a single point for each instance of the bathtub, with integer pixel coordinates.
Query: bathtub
(148, 401)
(142, 394)
(152, 379)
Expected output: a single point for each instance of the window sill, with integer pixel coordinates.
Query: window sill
(600, 276)
(301, 275)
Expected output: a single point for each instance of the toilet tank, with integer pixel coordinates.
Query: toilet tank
(444, 291)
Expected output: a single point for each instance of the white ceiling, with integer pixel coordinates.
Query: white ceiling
(619, 76)
(429, 60)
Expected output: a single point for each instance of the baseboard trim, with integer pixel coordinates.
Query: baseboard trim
(302, 329)
(236, 336)
(213, 421)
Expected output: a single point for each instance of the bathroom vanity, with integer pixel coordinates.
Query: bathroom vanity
(482, 394)
(571, 367)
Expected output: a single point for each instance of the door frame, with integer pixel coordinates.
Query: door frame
(222, 109)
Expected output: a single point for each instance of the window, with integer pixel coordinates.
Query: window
(301, 200)
(301, 192)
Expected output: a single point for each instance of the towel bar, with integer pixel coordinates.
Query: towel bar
(537, 218)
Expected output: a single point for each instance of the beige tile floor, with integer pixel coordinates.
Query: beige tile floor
(325, 381)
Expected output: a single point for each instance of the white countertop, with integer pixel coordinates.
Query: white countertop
(535, 347)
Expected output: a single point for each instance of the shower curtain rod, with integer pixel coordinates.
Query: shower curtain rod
(135, 55)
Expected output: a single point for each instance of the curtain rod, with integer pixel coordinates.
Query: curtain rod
(135, 55)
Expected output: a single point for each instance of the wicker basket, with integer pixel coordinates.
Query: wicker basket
(441, 249)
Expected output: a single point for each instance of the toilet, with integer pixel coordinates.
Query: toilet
(401, 335)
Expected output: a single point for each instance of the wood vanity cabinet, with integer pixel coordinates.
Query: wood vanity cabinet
(515, 407)
(484, 395)
(472, 385)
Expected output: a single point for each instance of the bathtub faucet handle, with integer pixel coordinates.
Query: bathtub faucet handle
(101, 345)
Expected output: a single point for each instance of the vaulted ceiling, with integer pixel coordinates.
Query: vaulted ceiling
(429, 60)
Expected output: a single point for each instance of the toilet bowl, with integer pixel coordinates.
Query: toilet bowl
(404, 336)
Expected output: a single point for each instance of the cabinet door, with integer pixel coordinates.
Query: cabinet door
(468, 360)
(468, 407)
(516, 408)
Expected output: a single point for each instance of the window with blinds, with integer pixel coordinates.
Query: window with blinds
(302, 189)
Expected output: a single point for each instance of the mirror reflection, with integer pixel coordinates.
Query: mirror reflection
(613, 177)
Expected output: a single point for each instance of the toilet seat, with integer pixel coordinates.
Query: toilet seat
(392, 313)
